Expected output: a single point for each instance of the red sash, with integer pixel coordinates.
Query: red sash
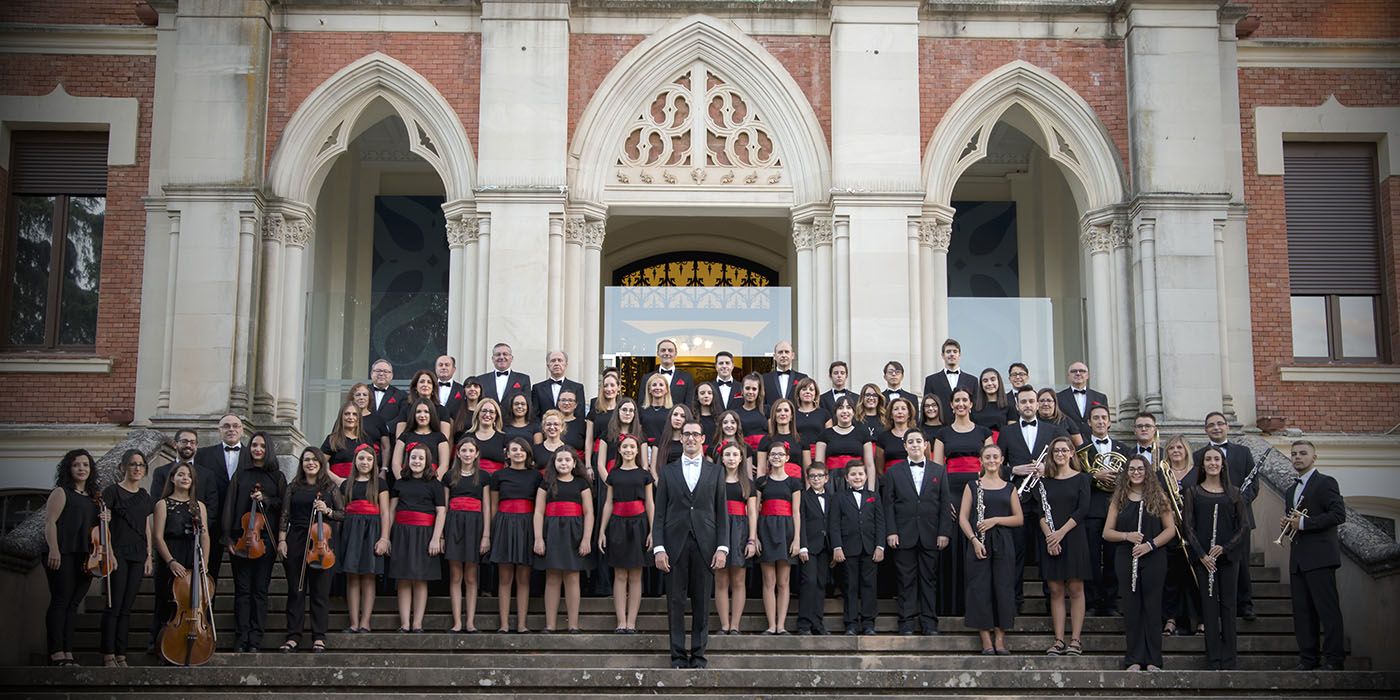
(964, 465)
(341, 469)
(625, 509)
(776, 508)
(413, 517)
(563, 509)
(466, 503)
(738, 507)
(793, 470)
(516, 505)
(893, 462)
(752, 441)
(834, 462)
(490, 466)
(362, 508)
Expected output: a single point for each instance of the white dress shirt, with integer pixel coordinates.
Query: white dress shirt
(916, 470)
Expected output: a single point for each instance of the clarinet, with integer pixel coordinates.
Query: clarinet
(981, 514)
(1210, 579)
(1045, 506)
(1141, 507)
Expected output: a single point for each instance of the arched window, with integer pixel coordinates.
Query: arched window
(694, 269)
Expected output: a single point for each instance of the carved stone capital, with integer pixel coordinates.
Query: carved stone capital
(297, 232)
(821, 232)
(935, 234)
(272, 226)
(461, 231)
(286, 229)
(802, 236)
(1121, 234)
(594, 233)
(574, 230)
(1096, 239)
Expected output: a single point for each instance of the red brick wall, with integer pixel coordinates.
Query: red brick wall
(1370, 407)
(1332, 19)
(301, 61)
(1094, 69)
(123, 239)
(591, 57)
(69, 11)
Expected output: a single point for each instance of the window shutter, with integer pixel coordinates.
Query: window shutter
(1330, 196)
(59, 162)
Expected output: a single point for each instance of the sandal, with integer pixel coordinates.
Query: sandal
(1075, 649)
(1169, 629)
(121, 662)
(989, 652)
(1134, 667)
(109, 662)
(1056, 649)
(318, 646)
(288, 647)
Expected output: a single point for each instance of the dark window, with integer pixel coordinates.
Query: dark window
(17, 506)
(694, 269)
(53, 241)
(1333, 251)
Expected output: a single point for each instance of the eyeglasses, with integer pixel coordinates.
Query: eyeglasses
(814, 477)
(1079, 371)
(1137, 470)
(870, 396)
(185, 441)
(691, 434)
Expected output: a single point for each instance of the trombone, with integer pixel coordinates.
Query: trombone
(1289, 529)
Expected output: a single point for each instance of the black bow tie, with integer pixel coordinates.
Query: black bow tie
(444, 383)
(1027, 424)
(232, 448)
(557, 382)
(1144, 449)
(725, 382)
(1221, 445)
(952, 371)
(916, 465)
(1078, 391)
(502, 373)
(1100, 441)
(1297, 479)
(665, 371)
(381, 390)
(783, 372)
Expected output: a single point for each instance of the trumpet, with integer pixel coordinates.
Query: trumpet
(1289, 530)
(1033, 479)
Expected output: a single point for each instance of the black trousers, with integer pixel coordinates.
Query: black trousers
(811, 598)
(1181, 600)
(165, 601)
(67, 586)
(1315, 607)
(251, 578)
(860, 602)
(116, 617)
(216, 561)
(991, 582)
(1244, 589)
(917, 569)
(1218, 611)
(1143, 610)
(690, 578)
(1101, 591)
(317, 589)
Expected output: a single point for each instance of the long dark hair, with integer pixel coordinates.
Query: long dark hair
(616, 428)
(980, 401)
(1153, 497)
(745, 483)
(668, 434)
(323, 476)
(270, 462)
(454, 472)
(337, 439)
(1231, 491)
(551, 476)
(64, 477)
(371, 486)
(428, 474)
(169, 489)
(527, 447)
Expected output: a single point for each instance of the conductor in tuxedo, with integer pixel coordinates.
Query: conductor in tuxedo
(1313, 559)
(781, 383)
(1077, 400)
(1239, 463)
(943, 382)
(691, 520)
(919, 517)
(217, 464)
(503, 383)
(1021, 442)
(546, 393)
(681, 383)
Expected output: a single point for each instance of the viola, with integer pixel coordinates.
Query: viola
(188, 638)
(102, 559)
(250, 544)
(319, 554)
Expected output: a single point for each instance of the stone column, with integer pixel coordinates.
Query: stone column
(172, 277)
(826, 301)
(296, 232)
(841, 271)
(483, 295)
(1147, 319)
(937, 234)
(928, 353)
(915, 368)
(806, 291)
(471, 343)
(593, 235)
(1227, 401)
(270, 320)
(239, 395)
(575, 230)
(1096, 242)
(457, 314)
(1125, 348)
(560, 334)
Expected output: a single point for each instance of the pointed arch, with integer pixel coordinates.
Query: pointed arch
(325, 124)
(743, 62)
(1062, 123)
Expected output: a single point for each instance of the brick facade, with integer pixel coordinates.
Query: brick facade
(1325, 19)
(69, 11)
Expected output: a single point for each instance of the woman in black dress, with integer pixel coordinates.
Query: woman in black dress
(513, 531)
(574, 430)
(989, 514)
(1215, 519)
(1140, 514)
(364, 537)
(130, 525)
(467, 532)
(656, 408)
(344, 440)
(889, 443)
(563, 521)
(421, 432)
(870, 414)
(177, 518)
(604, 405)
(625, 420)
(931, 416)
(70, 514)
(518, 423)
(779, 535)
(782, 428)
(990, 409)
(485, 429)
(420, 506)
(1181, 600)
(550, 439)
(753, 423)
(844, 443)
(311, 492)
(812, 419)
(742, 507)
(1048, 410)
(706, 409)
(1062, 499)
(625, 532)
(260, 483)
(958, 446)
(727, 430)
(371, 425)
(424, 387)
(667, 448)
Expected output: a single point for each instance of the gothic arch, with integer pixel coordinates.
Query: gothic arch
(325, 123)
(1063, 124)
(745, 64)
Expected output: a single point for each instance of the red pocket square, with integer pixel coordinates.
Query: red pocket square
(458, 395)
(680, 382)
(870, 499)
(515, 385)
(393, 400)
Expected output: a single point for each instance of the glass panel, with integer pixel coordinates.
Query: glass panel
(29, 297)
(996, 332)
(1358, 327)
(82, 264)
(702, 320)
(1310, 327)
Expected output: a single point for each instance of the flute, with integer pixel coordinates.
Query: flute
(1210, 578)
(1141, 507)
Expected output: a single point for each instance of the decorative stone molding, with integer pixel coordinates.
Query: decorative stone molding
(1121, 234)
(297, 232)
(1097, 239)
(594, 233)
(821, 231)
(273, 228)
(802, 235)
(461, 231)
(574, 230)
(935, 234)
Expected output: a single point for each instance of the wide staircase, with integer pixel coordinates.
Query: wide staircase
(598, 662)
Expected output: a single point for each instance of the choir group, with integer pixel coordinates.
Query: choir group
(687, 487)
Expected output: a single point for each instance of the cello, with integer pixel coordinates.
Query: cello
(319, 554)
(250, 544)
(102, 559)
(188, 638)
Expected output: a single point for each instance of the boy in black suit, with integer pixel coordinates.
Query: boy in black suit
(817, 507)
(919, 520)
(858, 539)
(1313, 559)
(943, 382)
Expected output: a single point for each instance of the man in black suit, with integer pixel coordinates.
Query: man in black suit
(729, 392)
(1239, 464)
(1021, 442)
(546, 393)
(1101, 591)
(1313, 559)
(817, 507)
(894, 379)
(839, 372)
(682, 384)
(858, 540)
(1017, 375)
(385, 399)
(943, 382)
(186, 444)
(693, 523)
(919, 520)
(504, 383)
(450, 393)
(217, 464)
(781, 383)
(1076, 400)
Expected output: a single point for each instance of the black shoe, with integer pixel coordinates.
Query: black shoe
(735, 631)
(1248, 615)
(680, 664)
(699, 663)
(1304, 666)
(851, 630)
(1329, 666)
(869, 631)
(929, 631)
(906, 629)
(805, 633)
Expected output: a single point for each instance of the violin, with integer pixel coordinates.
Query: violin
(188, 638)
(250, 544)
(102, 559)
(319, 554)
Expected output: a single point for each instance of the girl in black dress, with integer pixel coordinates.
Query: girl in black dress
(843, 443)
(625, 532)
(753, 424)
(604, 405)
(667, 448)
(656, 407)
(345, 438)
(1048, 410)
(889, 443)
(485, 429)
(364, 537)
(990, 409)
(706, 410)
(261, 482)
(467, 532)
(1140, 514)
(870, 413)
(742, 506)
(424, 387)
(130, 525)
(70, 514)
(420, 507)
(1062, 498)
(931, 416)
(513, 530)
(1181, 600)
(989, 514)
(371, 425)
(727, 430)
(779, 535)
(563, 522)
(1215, 520)
(958, 446)
(783, 429)
(518, 422)
(812, 419)
(173, 524)
(311, 492)
(422, 432)
(625, 420)
(550, 439)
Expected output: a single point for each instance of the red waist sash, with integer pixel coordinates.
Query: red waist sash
(341, 469)
(776, 508)
(752, 441)
(964, 465)
(413, 517)
(466, 503)
(834, 462)
(490, 466)
(893, 462)
(793, 470)
(362, 508)
(626, 509)
(516, 505)
(563, 509)
(738, 507)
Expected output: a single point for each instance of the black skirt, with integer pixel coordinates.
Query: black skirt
(355, 555)
(463, 535)
(513, 538)
(775, 534)
(408, 554)
(738, 541)
(1073, 561)
(562, 536)
(627, 542)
